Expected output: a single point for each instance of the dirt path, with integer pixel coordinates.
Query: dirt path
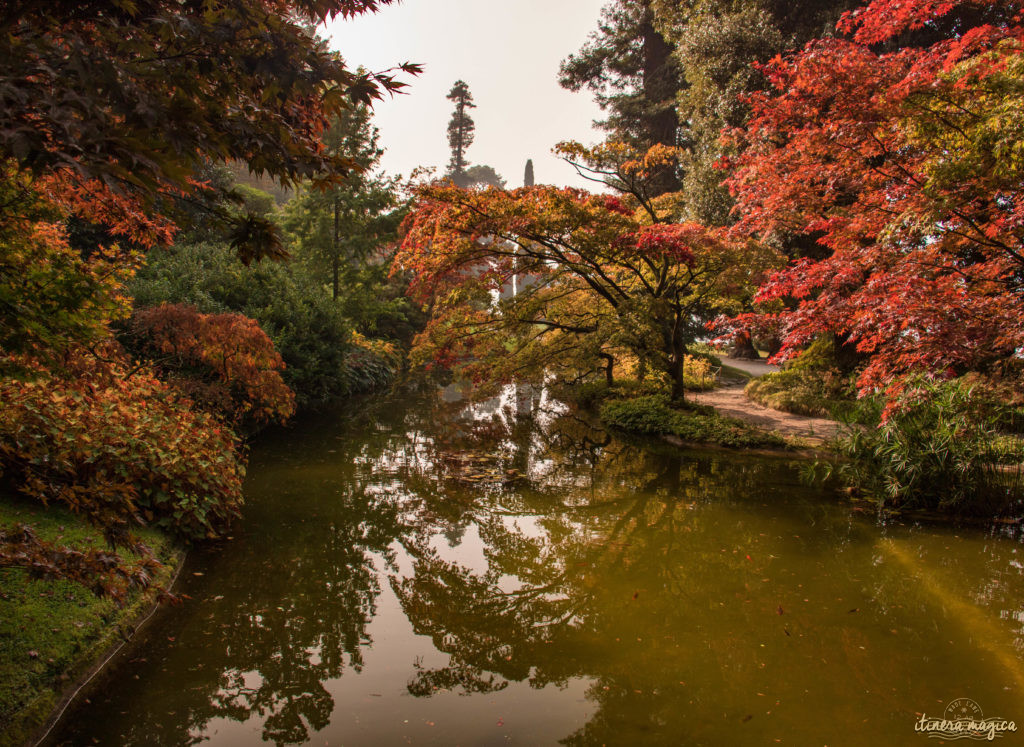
(731, 401)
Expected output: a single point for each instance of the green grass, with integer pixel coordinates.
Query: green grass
(804, 391)
(53, 631)
(653, 415)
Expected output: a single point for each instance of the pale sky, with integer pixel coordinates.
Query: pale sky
(508, 51)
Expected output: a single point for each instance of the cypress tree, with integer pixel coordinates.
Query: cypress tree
(528, 176)
(460, 129)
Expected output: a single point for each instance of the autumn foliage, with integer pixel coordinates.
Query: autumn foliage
(224, 361)
(120, 448)
(890, 159)
(108, 111)
(602, 280)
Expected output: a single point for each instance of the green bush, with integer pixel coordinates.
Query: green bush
(308, 329)
(653, 415)
(941, 448)
(812, 384)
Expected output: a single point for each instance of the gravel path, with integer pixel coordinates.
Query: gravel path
(730, 400)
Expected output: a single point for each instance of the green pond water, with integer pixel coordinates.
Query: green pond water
(413, 571)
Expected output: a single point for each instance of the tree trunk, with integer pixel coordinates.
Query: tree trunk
(660, 121)
(336, 251)
(675, 346)
(609, 370)
(743, 346)
(677, 370)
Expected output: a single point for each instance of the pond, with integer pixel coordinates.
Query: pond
(415, 571)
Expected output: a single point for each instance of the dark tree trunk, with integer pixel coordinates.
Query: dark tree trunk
(743, 346)
(661, 120)
(609, 369)
(676, 347)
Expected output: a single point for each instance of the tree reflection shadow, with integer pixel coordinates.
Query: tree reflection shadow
(593, 563)
(609, 581)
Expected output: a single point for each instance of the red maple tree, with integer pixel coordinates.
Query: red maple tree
(897, 151)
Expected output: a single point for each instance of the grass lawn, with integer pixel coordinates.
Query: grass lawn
(52, 632)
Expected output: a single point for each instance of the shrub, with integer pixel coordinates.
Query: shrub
(812, 384)
(653, 415)
(224, 361)
(307, 328)
(699, 374)
(122, 450)
(939, 448)
(370, 364)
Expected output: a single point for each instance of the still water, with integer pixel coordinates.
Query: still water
(415, 571)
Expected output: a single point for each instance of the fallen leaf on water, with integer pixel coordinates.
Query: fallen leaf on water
(780, 610)
(747, 718)
(501, 722)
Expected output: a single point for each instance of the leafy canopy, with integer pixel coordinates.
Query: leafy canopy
(600, 279)
(904, 165)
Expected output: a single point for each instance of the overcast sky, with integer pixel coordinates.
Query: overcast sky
(508, 51)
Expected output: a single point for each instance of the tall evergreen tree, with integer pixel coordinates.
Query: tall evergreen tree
(460, 129)
(631, 70)
(718, 44)
(335, 229)
(528, 180)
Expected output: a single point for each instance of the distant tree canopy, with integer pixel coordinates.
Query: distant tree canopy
(718, 45)
(460, 128)
(336, 229)
(483, 175)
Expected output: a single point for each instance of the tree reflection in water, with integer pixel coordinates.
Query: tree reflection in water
(601, 565)
(683, 590)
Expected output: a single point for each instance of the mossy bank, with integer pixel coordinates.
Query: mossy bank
(54, 633)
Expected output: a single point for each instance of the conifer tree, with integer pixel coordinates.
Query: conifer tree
(460, 129)
(633, 74)
(528, 180)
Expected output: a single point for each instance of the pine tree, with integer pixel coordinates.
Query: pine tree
(528, 180)
(336, 228)
(631, 70)
(460, 129)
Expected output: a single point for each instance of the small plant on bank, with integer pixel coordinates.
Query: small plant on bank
(654, 415)
(939, 448)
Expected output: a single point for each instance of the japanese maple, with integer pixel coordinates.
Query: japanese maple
(902, 160)
(224, 361)
(602, 280)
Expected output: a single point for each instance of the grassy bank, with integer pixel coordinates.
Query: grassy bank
(634, 408)
(654, 415)
(51, 632)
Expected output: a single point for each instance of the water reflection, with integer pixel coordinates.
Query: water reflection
(420, 565)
